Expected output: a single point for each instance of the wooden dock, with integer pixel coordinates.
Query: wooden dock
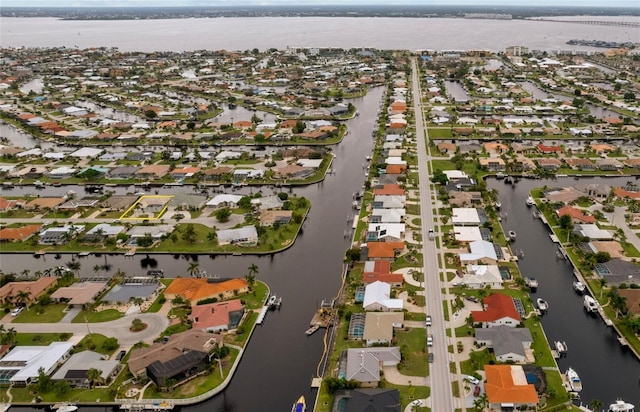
(323, 318)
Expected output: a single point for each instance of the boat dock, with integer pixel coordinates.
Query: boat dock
(262, 314)
(324, 317)
(139, 407)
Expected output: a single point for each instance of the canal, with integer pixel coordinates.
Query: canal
(280, 359)
(607, 370)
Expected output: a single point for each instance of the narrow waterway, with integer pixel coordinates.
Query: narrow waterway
(280, 360)
(607, 370)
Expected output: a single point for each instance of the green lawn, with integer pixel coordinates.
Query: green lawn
(51, 313)
(94, 342)
(413, 346)
(95, 317)
(38, 339)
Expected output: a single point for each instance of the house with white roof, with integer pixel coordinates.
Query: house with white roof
(481, 251)
(22, 364)
(389, 202)
(87, 152)
(244, 236)
(224, 200)
(593, 232)
(481, 276)
(62, 172)
(377, 296)
(467, 234)
(387, 216)
(453, 175)
(387, 232)
(465, 216)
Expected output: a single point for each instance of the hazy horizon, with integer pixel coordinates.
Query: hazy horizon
(263, 3)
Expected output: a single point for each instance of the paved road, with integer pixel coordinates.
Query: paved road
(440, 379)
(119, 328)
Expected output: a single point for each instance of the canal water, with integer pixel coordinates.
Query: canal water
(280, 359)
(607, 370)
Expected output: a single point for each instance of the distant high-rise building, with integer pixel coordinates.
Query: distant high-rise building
(517, 50)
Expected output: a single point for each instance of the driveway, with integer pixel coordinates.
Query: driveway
(118, 328)
(71, 314)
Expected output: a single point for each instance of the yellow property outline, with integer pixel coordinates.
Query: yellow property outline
(156, 217)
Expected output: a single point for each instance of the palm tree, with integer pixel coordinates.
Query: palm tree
(251, 276)
(74, 265)
(22, 297)
(603, 283)
(596, 405)
(194, 268)
(25, 273)
(94, 376)
(10, 336)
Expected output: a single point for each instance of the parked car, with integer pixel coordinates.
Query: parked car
(429, 340)
(430, 357)
(476, 391)
(17, 311)
(432, 234)
(121, 355)
(472, 379)
(428, 321)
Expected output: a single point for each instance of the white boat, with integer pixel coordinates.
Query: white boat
(590, 304)
(312, 330)
(574, 380)
(512, 235)
(4, 407)
(561, 347)
(530, 201)
(65, 407)
(500, 175)
(497, 205)
(272, 300)
(621, 406)
(579, 287)
(542, 304)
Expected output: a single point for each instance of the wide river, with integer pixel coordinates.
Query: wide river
(280, 360)
(281, 32)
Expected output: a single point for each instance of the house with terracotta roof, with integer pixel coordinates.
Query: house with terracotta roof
(18, 234)
(549, 163)
(384, 250)
(152, 171)
(389, 190)
(577, 215)
(199, 289)
(184, 172)
(217, 317)
(499, 309)
(544, 149)
(380, 270)
(396, 169)
(622, 193)
(507, 386)
(580, 163)
(34, 289)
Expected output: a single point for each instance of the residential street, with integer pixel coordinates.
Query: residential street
(119, 329)
(441, 399)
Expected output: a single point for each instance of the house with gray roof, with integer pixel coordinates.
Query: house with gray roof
(508, 344)
(364, 364)
(123, 172)
(75, 370)
(369, 400)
